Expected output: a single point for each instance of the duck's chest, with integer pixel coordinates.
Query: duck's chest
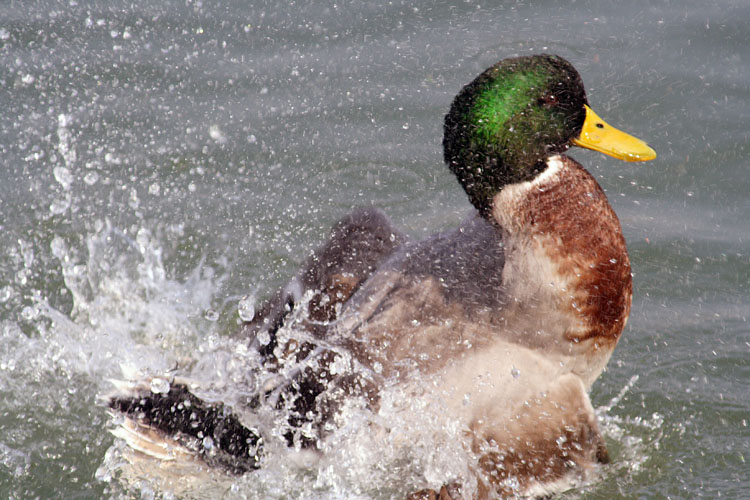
(567, 269)
(558, 283)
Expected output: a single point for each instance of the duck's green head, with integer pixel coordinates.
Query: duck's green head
(503, 125)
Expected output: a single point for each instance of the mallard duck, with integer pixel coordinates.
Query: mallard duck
(516, 311)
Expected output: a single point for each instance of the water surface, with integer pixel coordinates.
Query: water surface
(161, 162)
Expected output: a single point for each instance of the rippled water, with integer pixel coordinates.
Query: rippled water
(159, 163)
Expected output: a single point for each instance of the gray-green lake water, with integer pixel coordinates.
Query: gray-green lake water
(159, 162)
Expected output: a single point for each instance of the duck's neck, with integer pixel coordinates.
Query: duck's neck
(565, 252)
(481, 175)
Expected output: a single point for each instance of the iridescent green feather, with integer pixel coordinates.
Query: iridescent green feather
(503, 125)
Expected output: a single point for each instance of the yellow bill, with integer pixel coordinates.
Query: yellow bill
(599, 136)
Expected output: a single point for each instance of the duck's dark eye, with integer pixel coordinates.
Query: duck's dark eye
(549, 100)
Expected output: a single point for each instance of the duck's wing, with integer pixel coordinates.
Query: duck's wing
(427, 292)
(358, 244)
(175, 425)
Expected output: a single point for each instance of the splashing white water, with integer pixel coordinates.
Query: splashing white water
(127, 313)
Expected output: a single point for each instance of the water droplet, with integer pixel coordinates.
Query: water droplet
(63, 177)
(146, 491)
(110, 158)
(208, 443)
(58, 207)
(22, 276)
(246, 308)
(5, 293)
(216, 134)
(91, 178)
(561, 441)
(377, 367)
(134, 202)
(264, 338)
(159, 385)
(515, 372)
(29, 313)
(211, 315)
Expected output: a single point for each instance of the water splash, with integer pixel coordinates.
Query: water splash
(62, 173)
(125, 310)
(635, 435)
(128, 313)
